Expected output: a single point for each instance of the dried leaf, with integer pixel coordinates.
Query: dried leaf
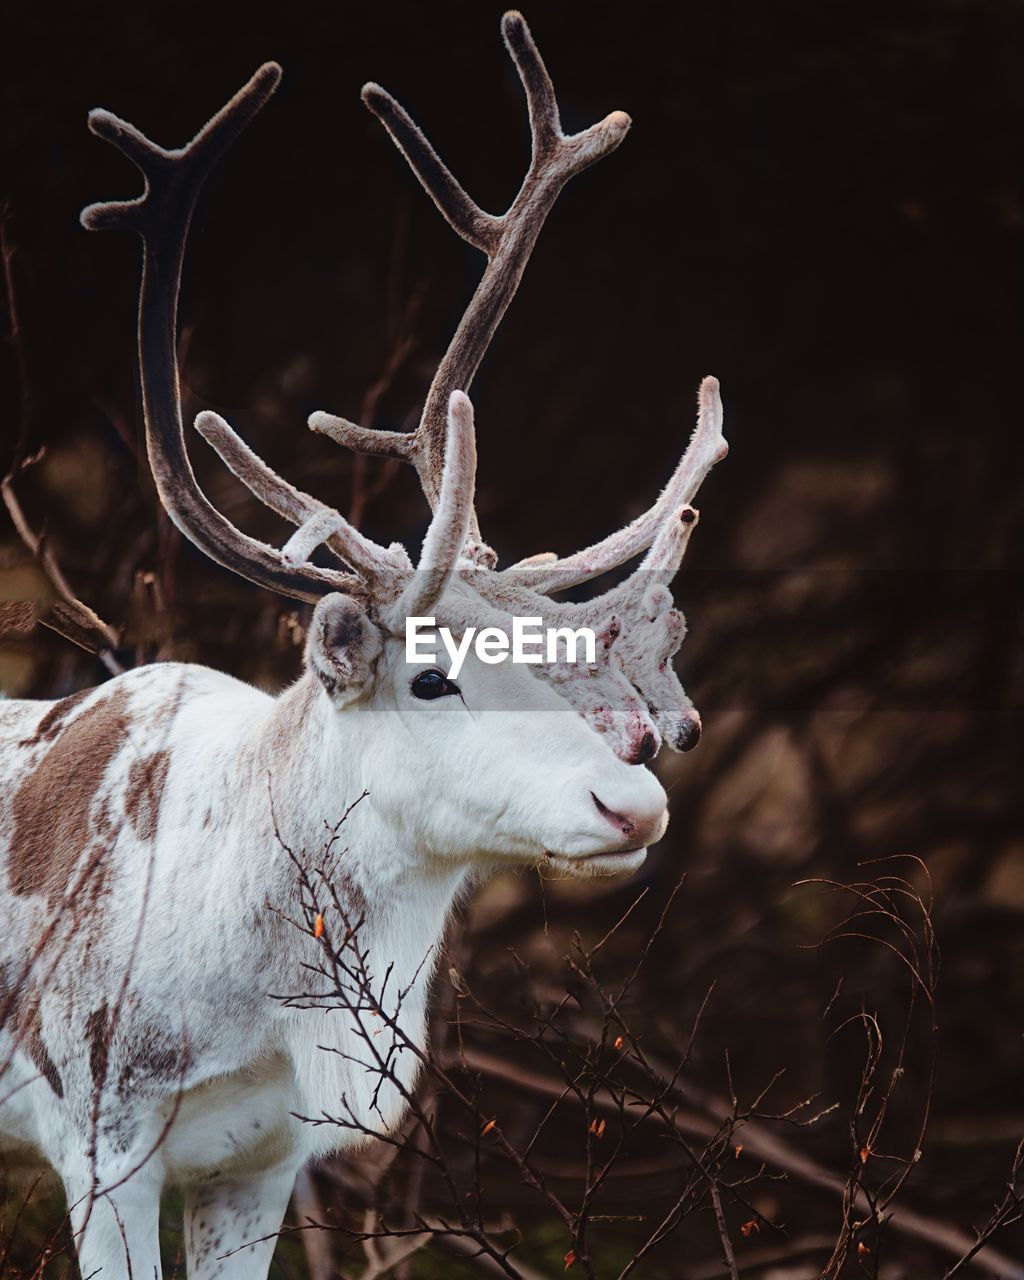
(487, 1128)
(748, 1227)
(570, 1258)
(318, 926)
(738, 1148)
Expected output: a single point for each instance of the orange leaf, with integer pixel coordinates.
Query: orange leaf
(600, 1129)
(737, 1151)
(862, 1248)
(864, 1153)
(569, 1259)
(619, 1042)
(487, 1128)
(318, 926)
(748, 1227)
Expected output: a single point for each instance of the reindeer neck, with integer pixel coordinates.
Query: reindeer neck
(308, 759)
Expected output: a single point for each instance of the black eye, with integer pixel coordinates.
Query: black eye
(433, 684)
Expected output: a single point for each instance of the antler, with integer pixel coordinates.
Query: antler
(630, 692)
(161, 216)
(446, 536)
(349, 545)
(707, 446)
(506, 240)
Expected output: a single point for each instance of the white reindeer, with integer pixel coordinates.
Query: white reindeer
(143, 823)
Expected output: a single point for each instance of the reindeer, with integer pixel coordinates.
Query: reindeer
(144, 824)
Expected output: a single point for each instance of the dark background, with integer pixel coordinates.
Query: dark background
(820, 204)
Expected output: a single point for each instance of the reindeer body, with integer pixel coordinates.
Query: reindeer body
(147, 829)
(136, 824)
(151, 830)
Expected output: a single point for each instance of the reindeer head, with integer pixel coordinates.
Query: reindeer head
(577, 790)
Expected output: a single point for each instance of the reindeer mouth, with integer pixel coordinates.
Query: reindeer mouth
(623, 862)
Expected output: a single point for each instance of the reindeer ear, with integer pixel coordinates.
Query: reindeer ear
(342, 647)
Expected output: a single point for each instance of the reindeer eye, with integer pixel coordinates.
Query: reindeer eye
(433, 684)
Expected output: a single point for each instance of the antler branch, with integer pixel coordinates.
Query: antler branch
(707, 446)
(446, 536)
(364, 555)
(506, 240)
(463, 215)
(161, 216)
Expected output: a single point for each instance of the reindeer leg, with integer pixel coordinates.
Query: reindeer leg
(222, 1215)
(116, 1232)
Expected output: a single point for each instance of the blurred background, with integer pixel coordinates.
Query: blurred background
(819, 204)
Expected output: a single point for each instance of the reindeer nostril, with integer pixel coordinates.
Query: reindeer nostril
(618, 820)
(647, 749)
(688, 735)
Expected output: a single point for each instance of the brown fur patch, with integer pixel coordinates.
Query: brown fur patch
(51, 808)
(17, 616)
(154, 1058)
(22, 1018)
(34, 1046)
(146, 779)
(53, 721)
(97, 1034)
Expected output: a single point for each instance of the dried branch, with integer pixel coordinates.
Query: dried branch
(67, 615)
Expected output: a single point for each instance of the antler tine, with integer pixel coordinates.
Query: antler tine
(161, 216)
(311, 534)
(506, 240)
(657, 569)
(361, 553)
(446, 536)
(463, 215)
(707, 446)
(662, 561)
(545, 121)
(162, 169)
